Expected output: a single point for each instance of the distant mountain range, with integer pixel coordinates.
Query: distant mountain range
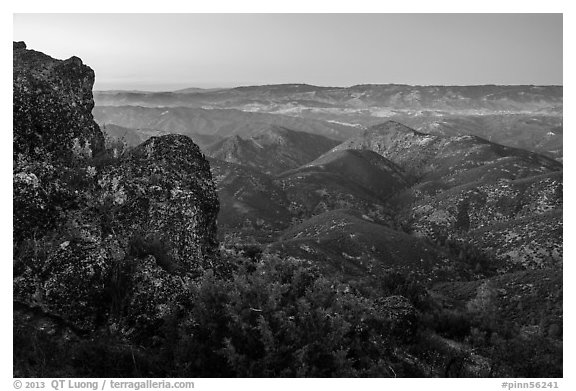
(219, 122)
(392, 96)
(528, 117)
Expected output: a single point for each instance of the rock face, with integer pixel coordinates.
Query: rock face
(52, 106)
(53, 127)
(163, 191)
(99, 239)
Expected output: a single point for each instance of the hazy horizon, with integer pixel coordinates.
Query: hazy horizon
(240, 85)
(168, 52)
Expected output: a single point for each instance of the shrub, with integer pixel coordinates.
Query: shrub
(141, 246)
(282, 319)
(532, 356)
(407, 285)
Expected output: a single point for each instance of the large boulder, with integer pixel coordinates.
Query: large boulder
(161, 198)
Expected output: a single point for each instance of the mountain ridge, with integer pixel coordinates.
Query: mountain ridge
(273, 149)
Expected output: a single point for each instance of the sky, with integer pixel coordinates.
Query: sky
(162, 52)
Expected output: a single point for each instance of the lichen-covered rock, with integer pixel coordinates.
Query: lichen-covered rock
(70, 281)
(53, 132)
(76, 278)
(40, 194)
(163, 192)
(154, 294)
(100, 240)
(53, 107)
(30, 202)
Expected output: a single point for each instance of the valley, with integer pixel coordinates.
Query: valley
(451, 186)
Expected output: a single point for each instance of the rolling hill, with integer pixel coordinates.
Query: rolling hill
(252, 207)
(503, 200)
(350, 245)
(271, 150)
(440, 159)
(525, 297)
(361, 180)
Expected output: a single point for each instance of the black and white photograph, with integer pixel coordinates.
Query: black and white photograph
(287, 195)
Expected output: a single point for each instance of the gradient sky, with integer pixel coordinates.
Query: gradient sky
(172, 51)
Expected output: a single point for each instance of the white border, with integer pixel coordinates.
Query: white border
(260, 6)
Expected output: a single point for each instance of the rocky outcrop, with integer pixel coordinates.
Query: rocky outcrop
(163, 191)
(100, 240)
(53, 107)
(53, 132)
